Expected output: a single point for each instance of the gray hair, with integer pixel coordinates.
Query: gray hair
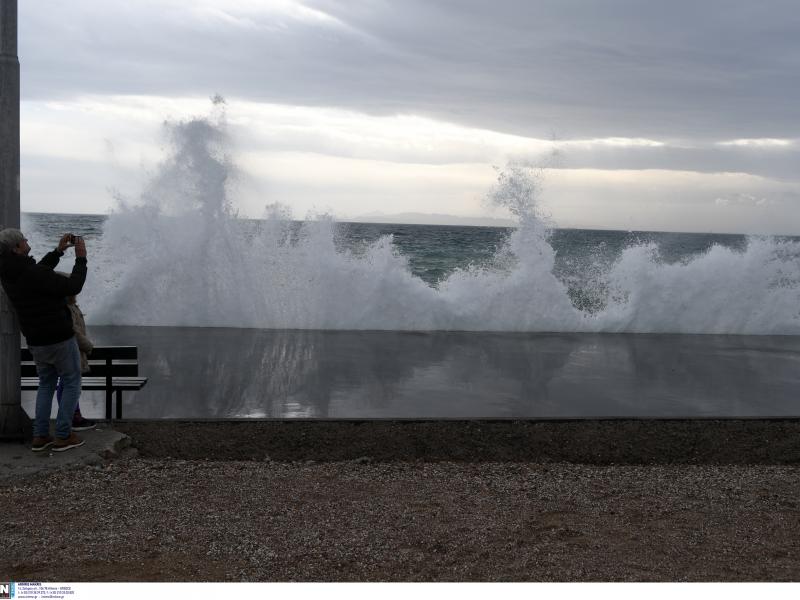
(10, 239)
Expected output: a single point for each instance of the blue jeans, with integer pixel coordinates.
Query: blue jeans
(54, 361)
(60, 392)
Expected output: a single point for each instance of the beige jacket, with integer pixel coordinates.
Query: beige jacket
(84, 343)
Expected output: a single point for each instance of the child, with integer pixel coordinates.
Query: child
(85, 346)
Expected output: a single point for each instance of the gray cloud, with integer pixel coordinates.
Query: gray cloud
(702, 71)
(780, 164)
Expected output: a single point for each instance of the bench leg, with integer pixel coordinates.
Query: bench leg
(108, 405)
(119, 404)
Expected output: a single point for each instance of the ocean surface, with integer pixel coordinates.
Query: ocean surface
(426, 277)
(434, 252)
(281, 319)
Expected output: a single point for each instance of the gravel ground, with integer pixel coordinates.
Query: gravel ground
(430, 511)
(584, 442)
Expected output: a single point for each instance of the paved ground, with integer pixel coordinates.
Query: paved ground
(219, 373)
(599, 442)
(18, 460)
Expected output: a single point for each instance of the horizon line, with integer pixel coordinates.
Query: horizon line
(510, 226)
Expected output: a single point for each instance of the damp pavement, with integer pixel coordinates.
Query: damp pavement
(218, 373)
(18, 460)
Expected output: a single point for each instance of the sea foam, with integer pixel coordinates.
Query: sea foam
(180, 256)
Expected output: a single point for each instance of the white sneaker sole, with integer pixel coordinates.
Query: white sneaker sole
(84, 428)
(64, 448)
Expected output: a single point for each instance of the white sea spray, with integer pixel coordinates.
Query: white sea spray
(179, 256)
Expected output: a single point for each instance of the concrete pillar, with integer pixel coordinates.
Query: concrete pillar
(14, 423)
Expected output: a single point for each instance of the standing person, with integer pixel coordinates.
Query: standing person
(38, 295)
(85, 345)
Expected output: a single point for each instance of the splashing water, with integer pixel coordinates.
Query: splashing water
(179, 256)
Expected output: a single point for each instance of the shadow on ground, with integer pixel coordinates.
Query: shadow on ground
(587, 442)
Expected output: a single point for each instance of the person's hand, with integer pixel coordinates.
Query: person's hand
(65, 242)
(80, 247)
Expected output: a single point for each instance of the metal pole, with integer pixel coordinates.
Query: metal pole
(14, 423)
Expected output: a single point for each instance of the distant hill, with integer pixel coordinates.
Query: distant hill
(430, 219)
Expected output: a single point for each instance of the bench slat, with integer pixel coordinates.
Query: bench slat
(115, 370)
(29, 370)
(117, 352)
(94, 383)
(99, 352)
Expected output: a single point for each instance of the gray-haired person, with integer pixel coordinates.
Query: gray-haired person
(38, 295)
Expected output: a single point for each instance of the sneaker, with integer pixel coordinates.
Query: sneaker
(81, 424)
(41, 443)
(61, 444)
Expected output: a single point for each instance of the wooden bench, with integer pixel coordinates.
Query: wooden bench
(112, 368)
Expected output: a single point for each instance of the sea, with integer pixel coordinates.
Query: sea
(282, 319)
(181, 254)
(324, 274)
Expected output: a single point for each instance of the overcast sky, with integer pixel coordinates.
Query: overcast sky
(679, 115)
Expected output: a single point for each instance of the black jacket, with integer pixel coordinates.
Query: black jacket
(39, 295)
